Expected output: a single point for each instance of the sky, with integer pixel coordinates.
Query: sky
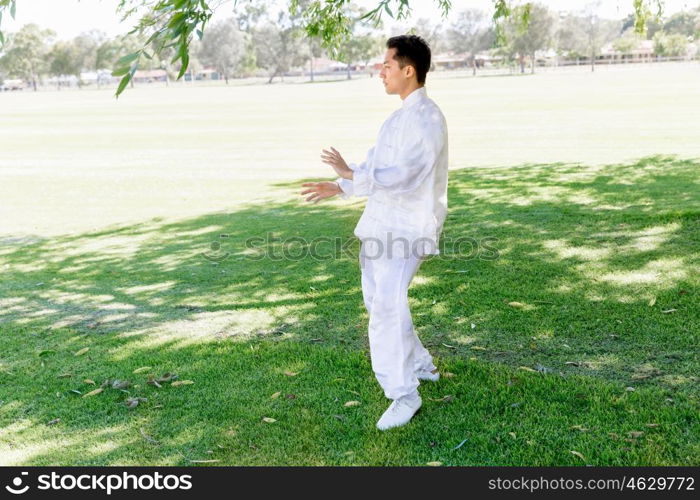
(69, 18)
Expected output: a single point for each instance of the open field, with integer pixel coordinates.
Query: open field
(76, 161)
(576, 345)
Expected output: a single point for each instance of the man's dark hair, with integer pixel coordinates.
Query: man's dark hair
(411, 50)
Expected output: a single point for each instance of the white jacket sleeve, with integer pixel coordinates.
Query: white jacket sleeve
(350, 187)
(346, 187)
(415, 161)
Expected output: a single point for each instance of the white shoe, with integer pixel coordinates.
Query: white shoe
(428, 375)
(399, 413)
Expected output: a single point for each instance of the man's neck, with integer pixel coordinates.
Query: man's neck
(409, 90)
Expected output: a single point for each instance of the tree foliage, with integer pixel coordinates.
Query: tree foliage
(670, 44)
(470, 34)
(25, 53)
(280, 45)
(526, 40)
(223, 47)
(172, 24)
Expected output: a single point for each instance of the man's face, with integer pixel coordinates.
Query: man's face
(394, 78)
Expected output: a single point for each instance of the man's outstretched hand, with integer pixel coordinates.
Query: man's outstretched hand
(321, 190)
(336, 161)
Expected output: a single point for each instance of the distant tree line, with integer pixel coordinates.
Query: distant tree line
(258, 41)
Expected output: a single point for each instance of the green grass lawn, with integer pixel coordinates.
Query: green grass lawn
(581, 336)
(576, 345)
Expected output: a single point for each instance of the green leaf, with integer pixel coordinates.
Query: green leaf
(122, 84)
(2, 39)
(175, 32)
(199, 34)
(129, 58)
(163, 6)
(121, 71)
(177, 19)
(185, 63)
(388, 10)
(13, 8)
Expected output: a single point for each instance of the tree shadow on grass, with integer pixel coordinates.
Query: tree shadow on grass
(574, 271)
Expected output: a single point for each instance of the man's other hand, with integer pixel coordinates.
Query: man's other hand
(336, 161)
(321, 190)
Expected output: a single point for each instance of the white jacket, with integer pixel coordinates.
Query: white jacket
(405, 177)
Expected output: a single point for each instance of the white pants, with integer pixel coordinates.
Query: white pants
(395, 349)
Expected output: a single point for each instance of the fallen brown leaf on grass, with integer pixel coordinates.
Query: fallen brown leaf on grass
(434, 464)
(448, 375)
(93, 393)
(89, 381)
(516, 304)
(348, 404)
(204, 461)
(444, 399)
(182, 382)
(142, 369)
(64, 375)
(166, 377)
(291, 374)
(134, 402)
(635, 434)
(275, 395)
(54, 421)
(81, 351)
(120, 384)
(579, 428)
(269, 420)
(578, 454)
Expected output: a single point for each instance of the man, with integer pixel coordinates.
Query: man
(405, 180)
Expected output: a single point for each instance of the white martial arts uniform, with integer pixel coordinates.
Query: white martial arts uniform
(405, 180)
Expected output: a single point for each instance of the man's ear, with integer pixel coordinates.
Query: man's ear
(409, 71)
